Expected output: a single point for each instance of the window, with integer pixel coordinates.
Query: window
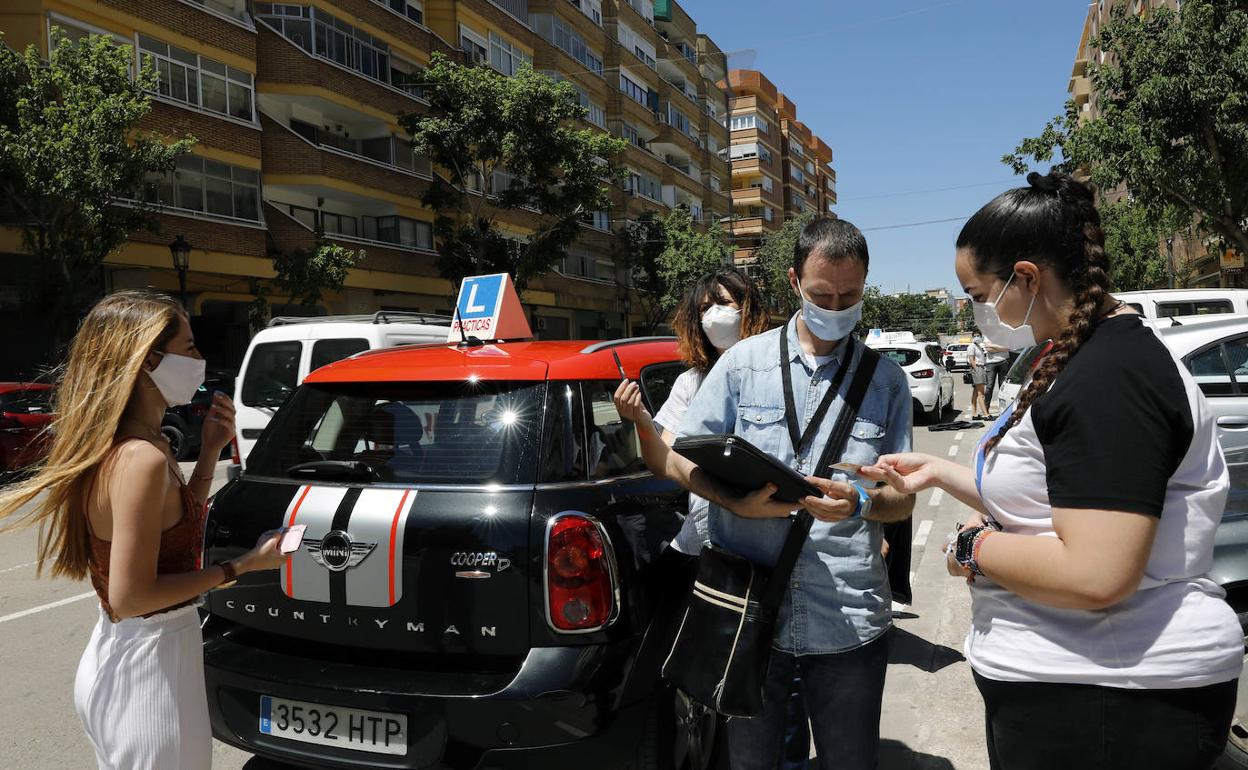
(769, 213)
(198, 184)
(745, 122)
(795, 148)
(597, 115)
(591, 8)
(743, 151)
(645, 185)
(629, 133)
(678, 119)
(401, 231)
(810, 167)
(613, 446)
(1212, 369)
(564, 453)
(633, 89)
(657, 381)
(557, 32)
(411, 432)
(406, 76)
(272, 373)
(1199, 307)
(796, 174)
(600, 220)
(764, 182)
(412, 9)
(325, 352)
(715, 184)
(197, 80)
(505, 57)
(474, 45)
(640, 47)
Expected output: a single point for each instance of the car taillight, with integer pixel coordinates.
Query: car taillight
(923, 374)
(580, 575)
(236, 457)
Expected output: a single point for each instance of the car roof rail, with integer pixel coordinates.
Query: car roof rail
(380, 317)
(609, 344)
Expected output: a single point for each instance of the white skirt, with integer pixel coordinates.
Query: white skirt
(140, 693)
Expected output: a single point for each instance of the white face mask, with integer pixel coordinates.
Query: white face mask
(178, 377)
(829, 325)
(722, 325)
(998, 332)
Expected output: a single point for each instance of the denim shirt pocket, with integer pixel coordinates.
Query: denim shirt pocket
(763, 426)
(865, 440)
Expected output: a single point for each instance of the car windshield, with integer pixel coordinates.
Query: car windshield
(31, 401)
(1026, 360)
(405, 433)
(903, 356)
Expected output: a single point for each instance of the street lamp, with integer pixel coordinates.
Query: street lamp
(180, 250)
(1170, 259)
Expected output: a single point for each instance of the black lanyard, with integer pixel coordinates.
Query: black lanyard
(799, 438)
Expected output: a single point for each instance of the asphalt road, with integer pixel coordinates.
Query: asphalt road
(933, 717)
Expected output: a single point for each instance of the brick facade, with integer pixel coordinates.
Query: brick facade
(208, 130)
(185, 18)
(210, 235)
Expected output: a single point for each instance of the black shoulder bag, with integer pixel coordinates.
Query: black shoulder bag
(723, 645)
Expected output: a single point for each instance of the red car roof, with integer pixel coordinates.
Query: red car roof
(9, 387)
(553, 360)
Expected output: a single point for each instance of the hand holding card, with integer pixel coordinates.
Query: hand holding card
(292, 538)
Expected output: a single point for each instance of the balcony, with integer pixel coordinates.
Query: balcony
(207, 22)
(291, 154)
(294, 231)
(286, 66)
(208, 128)
(247, 239)
(1081, 90)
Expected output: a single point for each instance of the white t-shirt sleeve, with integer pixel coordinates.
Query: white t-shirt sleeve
(672, 414)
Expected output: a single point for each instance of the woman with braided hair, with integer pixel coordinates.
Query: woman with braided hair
(1097, 637)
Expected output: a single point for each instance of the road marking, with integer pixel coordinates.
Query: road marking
(49, 606)
(958, 436)
(925, 529)
(953, 450)
(937, 496)
(10, 569)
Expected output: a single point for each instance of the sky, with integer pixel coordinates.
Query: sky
(915, 97)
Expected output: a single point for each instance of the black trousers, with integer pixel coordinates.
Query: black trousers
(1042, 726)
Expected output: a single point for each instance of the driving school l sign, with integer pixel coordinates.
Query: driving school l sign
(489, 309)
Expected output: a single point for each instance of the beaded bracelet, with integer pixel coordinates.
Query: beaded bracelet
(980, 537)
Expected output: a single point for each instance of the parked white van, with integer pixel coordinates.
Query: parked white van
(284, 352)
(1173, 303)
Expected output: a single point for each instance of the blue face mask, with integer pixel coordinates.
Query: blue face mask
(829, 325)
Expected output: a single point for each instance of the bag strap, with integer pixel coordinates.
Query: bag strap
(773, 594)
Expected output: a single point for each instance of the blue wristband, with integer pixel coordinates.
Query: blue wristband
(863, 500)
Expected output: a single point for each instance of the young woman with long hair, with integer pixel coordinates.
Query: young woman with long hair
(718, 311)
(112, 505)
(1097, 637)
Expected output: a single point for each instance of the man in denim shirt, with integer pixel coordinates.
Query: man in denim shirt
(832, 626)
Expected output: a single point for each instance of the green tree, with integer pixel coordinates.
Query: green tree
(638, 247)
(1133, 246)
(775, 257)
(524, 128)
(1173, 112)
(69, 149)
(965, 319)
(666, 256)
(302, 276)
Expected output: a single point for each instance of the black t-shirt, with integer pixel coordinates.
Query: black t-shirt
(1116, 422)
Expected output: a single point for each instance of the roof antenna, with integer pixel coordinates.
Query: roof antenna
(464, 340)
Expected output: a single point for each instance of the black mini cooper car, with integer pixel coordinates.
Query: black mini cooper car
(479, 583)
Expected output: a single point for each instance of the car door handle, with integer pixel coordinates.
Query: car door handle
(1234, 422)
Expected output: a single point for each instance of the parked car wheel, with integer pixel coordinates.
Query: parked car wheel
(177, 441)
(682, 735)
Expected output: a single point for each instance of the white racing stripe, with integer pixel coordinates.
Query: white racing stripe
(920, 538)
(937, 496)
(953, 450)
(48, 606)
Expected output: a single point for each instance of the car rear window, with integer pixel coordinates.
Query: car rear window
(902, 356)
(272, 373)
(1025, 362)
(325, 352)
(34, 401)
(407, 433)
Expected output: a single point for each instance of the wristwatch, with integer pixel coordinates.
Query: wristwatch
(864, 501)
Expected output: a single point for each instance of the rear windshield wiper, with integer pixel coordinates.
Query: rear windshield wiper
(334, 469)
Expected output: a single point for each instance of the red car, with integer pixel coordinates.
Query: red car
(25, 413)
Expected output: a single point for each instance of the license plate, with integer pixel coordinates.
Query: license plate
(373, 731)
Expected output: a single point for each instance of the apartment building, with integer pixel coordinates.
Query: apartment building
(295, 108)
(1191, 263)
(780, 168)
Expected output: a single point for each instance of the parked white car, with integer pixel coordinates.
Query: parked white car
(1181, 303)
(931, 385)
(1214, 349)
(284, 352)
(956, 356)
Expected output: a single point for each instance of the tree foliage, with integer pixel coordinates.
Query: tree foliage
(1133, 244)
(524, 128)
(69, 150)
(665, 257)
(775, 257)
(1173, 125)
(302, 276)
(928, 317)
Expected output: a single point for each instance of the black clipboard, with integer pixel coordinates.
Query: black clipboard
(742, 466)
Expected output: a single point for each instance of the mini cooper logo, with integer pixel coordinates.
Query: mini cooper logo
(336, 551)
